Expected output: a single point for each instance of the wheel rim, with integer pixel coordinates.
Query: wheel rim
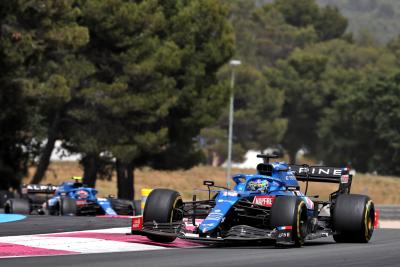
(301, 223)
(176, 213)
(369, 220)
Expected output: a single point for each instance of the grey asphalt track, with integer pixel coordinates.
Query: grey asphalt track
(37, 224)
(383, 250)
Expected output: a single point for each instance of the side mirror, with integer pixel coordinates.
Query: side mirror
(208, 183)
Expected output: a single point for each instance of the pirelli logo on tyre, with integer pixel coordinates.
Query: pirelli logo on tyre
(266, 201)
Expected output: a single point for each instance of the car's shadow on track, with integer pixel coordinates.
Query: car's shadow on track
(265, 245)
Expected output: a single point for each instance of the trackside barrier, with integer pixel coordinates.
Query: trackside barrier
(389, 212)
(388, 216)
(145, 192)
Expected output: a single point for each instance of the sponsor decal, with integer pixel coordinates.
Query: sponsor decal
(344, 179)
(191, 235)
(39, 187)
(230, 194)
(266, 201)
(214, 217)
(137, 223)
(226, 201)
(208, 224)
(102, 200)
(319, 171)
(280, 228)
(326, 171)
(290, 177)
(284, 235)
(80, 202)
(82, 194)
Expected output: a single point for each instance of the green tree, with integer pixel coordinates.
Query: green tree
(257, 118)
(362, 126)
(327, 21)
(331, 24)
(265, 35)
(378, 17)
(257, 111)
(14, 49)
(54, 71)
(299, 13)
(262, 38)
(394, 47)
(300, 78)
(316, 76)
(32, 52)
(155, 85)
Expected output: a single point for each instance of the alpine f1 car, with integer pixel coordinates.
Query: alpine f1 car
(70, 198)
(267, 205)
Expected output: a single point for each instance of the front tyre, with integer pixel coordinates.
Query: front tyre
(68, 206)
(163, 206)
(353, 219)
(291, 211)
(122, 206)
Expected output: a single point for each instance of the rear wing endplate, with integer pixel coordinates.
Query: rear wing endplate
(38, 188)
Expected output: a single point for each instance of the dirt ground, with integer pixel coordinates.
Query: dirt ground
(382, 189)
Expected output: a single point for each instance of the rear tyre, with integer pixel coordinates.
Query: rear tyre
(68, 206)
(353, 219)
(162, 206)
(291, 211)
(122, 206)
(17, 205)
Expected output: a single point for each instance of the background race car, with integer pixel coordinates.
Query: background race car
(263, 206)
(70, 198)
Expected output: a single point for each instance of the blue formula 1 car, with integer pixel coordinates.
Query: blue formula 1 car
(69, 198)
(267, 205)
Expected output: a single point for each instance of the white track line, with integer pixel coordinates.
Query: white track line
(77, 244)
(119, 230)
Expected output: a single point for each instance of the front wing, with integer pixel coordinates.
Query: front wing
(186, 231)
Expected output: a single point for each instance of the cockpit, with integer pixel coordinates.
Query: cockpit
(259, 184)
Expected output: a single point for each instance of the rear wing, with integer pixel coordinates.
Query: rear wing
(324, 174)
(38, 189)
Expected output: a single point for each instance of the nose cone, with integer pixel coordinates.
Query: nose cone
(224, 203)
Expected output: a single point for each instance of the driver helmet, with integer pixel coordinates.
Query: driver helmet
(258, 185)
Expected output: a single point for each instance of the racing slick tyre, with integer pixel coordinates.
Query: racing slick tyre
(67, 206)
(162, 206)
(353, 219)
(122, 206)
(17, 205)
(290, 211)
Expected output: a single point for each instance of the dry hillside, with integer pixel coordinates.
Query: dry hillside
(382, 189)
